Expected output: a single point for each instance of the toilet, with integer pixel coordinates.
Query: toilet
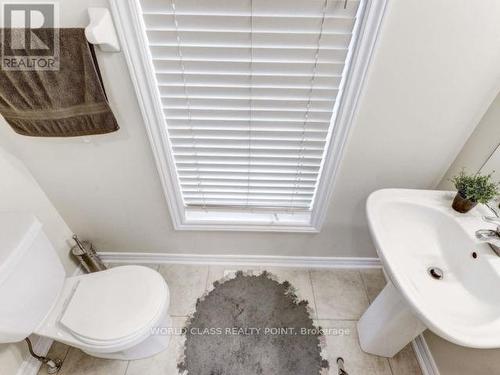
(115, 313)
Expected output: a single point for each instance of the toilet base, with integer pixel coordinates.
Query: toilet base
(152, 345)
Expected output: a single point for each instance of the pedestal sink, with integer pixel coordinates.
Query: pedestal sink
(439, 275)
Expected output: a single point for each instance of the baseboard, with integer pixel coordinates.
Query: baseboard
(424, 356)
(243, 260)
(41, 346)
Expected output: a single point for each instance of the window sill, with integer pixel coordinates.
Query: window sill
(225, 220)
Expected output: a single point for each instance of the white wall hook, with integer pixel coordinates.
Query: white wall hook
(101, 30)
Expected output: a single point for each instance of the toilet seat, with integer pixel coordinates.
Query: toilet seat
(115, 306)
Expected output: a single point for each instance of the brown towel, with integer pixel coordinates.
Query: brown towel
(62, 103)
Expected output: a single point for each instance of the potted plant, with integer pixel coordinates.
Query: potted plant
(473, 189)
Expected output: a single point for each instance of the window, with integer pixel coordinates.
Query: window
(247, 103)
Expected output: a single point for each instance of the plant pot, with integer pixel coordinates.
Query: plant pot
(462, 204)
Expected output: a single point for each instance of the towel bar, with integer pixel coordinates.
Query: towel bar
(101, 30)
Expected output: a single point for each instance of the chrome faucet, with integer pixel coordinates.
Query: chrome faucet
(491, 236)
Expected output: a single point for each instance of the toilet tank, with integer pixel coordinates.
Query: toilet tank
(31, 275)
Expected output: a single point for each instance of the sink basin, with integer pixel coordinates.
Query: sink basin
(415, 231)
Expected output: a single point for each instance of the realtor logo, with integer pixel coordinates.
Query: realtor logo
(30, 36)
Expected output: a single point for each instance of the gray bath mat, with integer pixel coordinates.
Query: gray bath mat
(252, 325)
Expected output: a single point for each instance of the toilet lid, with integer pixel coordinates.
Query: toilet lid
(114, 304)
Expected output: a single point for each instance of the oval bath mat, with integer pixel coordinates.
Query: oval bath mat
(252, 325)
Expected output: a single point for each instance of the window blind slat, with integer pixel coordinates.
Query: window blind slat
(244, 144)
(274, 9)
(242, 115)
(313, 131)
(249, 176)
(244, 93)
(243, 54)
(245, 24)
(245, 203)
(272, 59)
(258, 68)
(246, 168)
(244, 189)
(270, 39)
(248, 80)
(255, 160)
(255, 196)
(257, 104)
(175, 110)
(255, 135)
(263, 126)
(245, 184)
(233, 151)
(261, 118)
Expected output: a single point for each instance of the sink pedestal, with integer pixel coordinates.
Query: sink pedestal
(388, 325)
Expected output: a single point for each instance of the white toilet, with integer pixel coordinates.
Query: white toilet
(108, 314)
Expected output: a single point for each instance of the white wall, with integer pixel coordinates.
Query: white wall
(482, 149)
(433, 75)
(493, 165)
(19, 192)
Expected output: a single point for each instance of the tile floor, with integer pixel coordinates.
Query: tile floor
(338, 296)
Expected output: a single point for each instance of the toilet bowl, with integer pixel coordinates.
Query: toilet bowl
(108, 314)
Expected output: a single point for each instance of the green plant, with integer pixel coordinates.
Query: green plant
(477, 188)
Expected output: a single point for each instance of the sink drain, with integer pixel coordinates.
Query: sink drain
(435, 272)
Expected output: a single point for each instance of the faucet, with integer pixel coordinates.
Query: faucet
(490, 236)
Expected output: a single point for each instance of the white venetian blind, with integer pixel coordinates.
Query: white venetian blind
(248, 89)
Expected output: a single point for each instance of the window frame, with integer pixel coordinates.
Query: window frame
(134, 44)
